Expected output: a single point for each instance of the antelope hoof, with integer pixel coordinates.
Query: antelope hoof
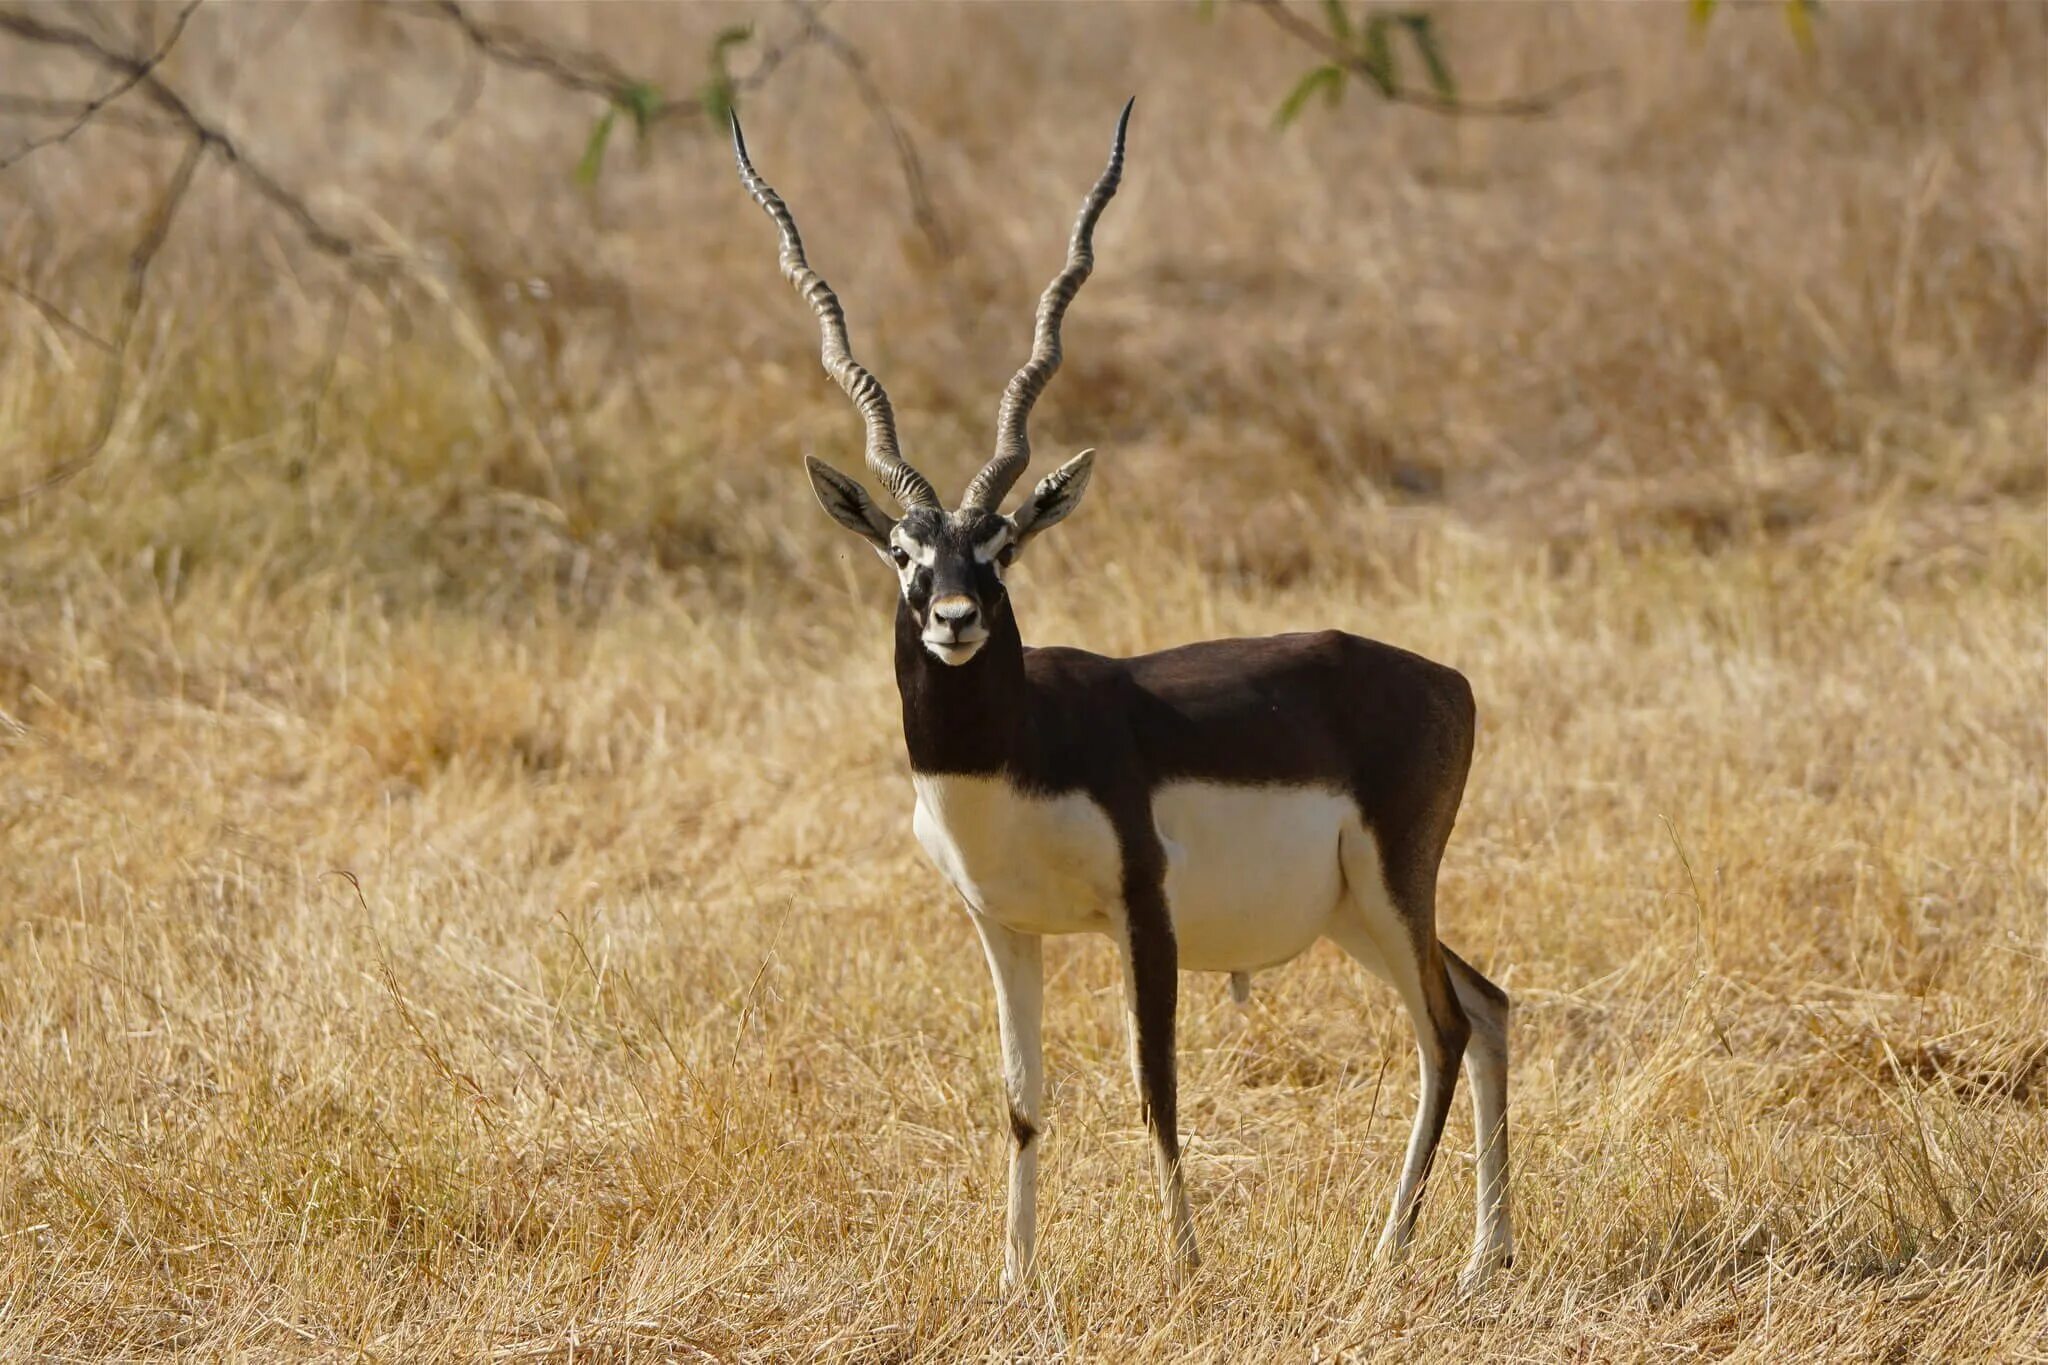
(1486, 1262)
(1017, 1273)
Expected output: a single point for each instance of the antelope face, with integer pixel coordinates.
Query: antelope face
(949, 565)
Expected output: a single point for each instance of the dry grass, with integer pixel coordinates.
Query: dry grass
(458, 901)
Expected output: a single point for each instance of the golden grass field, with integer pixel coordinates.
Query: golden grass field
(456, 893)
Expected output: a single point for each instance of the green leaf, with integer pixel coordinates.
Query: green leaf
(1328, 79)
(641, 102)
(1702, 14)
(727, 39)
(1799, 18)
(1378, 56)
(718, 96)
(1340, 22)
(718, 93)
(1424, 32)
(593, 151)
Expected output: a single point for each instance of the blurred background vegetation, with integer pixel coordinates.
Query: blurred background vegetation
(467, 302)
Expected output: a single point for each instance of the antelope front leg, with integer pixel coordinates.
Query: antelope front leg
(1151, 994)
(1017, 963)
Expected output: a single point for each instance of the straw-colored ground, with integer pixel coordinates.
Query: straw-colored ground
(456, 894)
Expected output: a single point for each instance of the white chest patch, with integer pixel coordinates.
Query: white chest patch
(1040, 864)
(1253, 873)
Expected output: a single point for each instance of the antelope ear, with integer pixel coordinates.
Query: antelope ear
(849, 504)
(1057, 494)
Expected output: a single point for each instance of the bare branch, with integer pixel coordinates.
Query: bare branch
(1535, 104)
(201, 137)
(589, 72)
(210, 136)
(330, 359)
(55, 315)
(88, 110)
(465, 100)
(43, 106)
(154, 233)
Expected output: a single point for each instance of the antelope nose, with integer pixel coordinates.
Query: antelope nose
(956, 611)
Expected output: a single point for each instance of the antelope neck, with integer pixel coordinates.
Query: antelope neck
(963, 718)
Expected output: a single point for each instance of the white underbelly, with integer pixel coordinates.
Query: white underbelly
(1253, 873)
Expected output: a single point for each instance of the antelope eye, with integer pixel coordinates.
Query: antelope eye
(1007, 556)
(900, 555)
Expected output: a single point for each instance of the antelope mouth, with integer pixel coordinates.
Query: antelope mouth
(956, 651)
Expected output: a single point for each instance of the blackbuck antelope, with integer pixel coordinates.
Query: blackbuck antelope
(1217, 807)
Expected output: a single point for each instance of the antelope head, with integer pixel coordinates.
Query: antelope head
(949, 563)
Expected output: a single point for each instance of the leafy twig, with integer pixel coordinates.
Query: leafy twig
(578, 69)
(582, 71)
(592, 73)
(1535, 104)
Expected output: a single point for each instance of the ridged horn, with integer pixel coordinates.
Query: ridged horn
(885, 457)
(1013, 443)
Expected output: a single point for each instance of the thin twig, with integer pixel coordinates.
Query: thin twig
(922, 210)
(465, 101)
(589, 72)
(44, 106)
(330, 359)
(210, 135)
(586, 72)
(87, 111)
(592, 73)
(1535, 104)
(55, 315)
(139, 261)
